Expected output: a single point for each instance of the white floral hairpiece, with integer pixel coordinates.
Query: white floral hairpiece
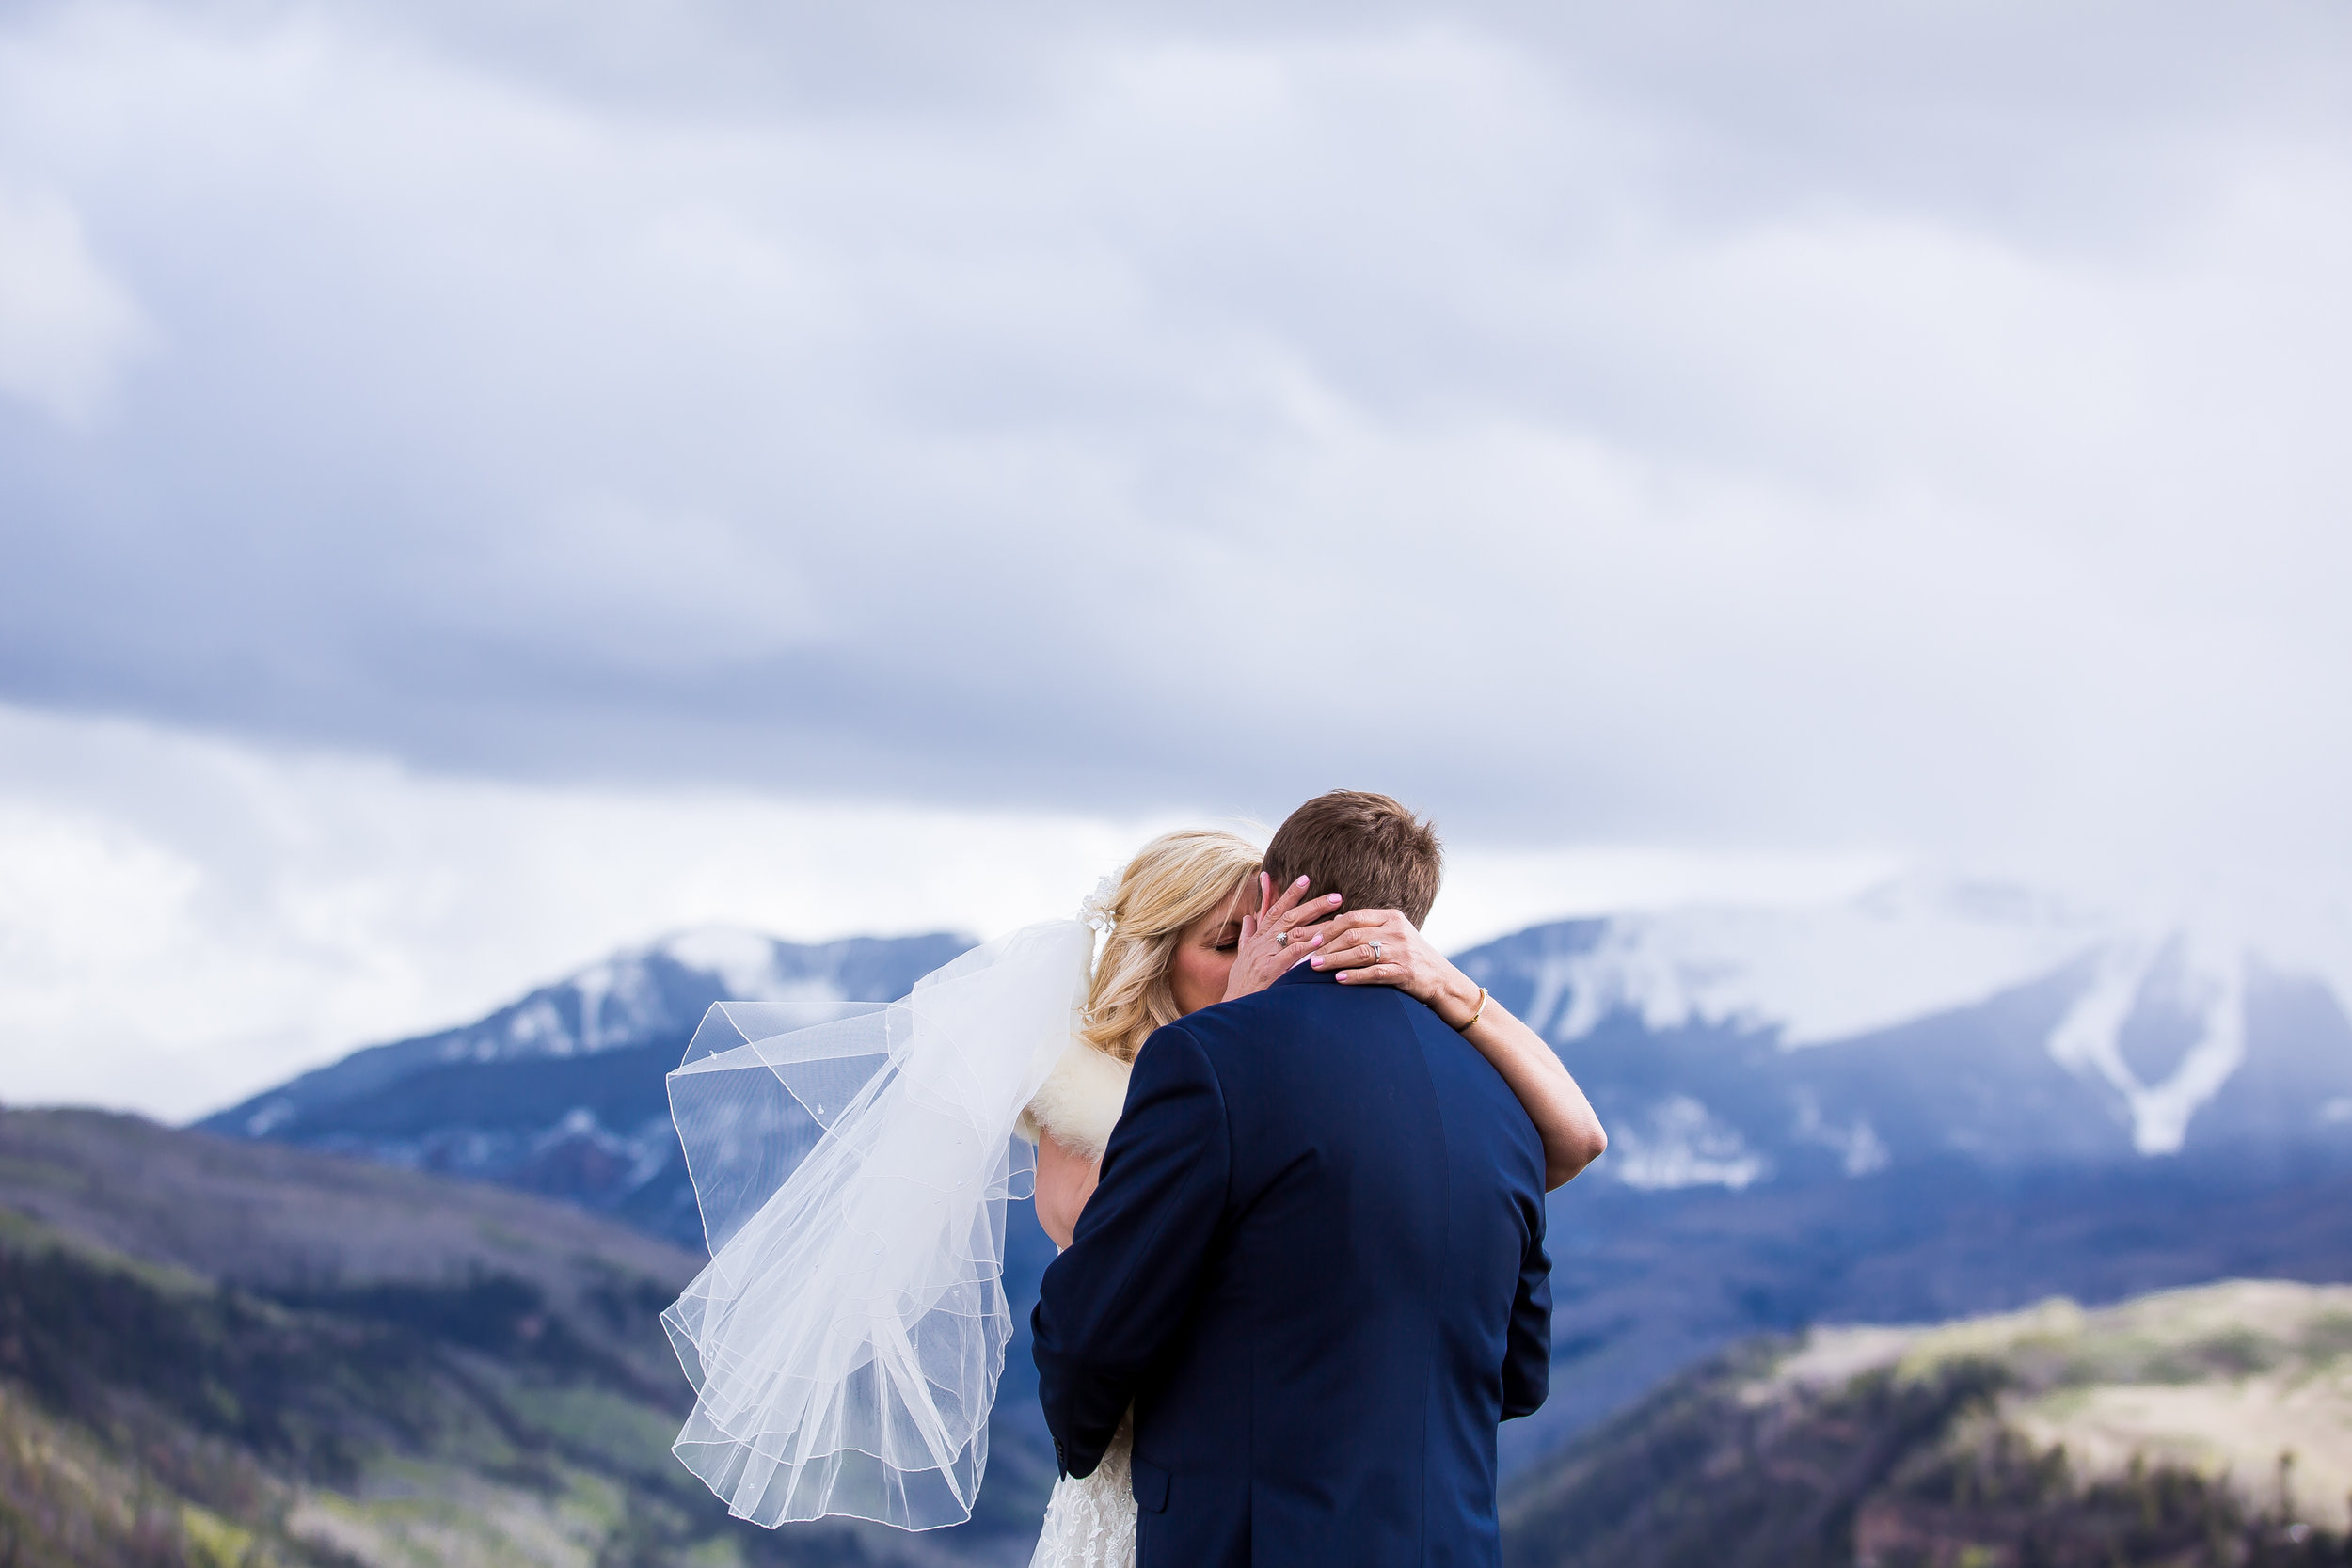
(1101, 909)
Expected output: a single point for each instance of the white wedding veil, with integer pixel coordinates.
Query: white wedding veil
(846, 1340)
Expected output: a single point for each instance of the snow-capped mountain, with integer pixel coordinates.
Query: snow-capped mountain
(562, 1091)
(1928, 1020)
(1925, 1020)
(1940, 1098)
(1935, 1099)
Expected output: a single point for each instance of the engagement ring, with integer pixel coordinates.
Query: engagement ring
(1281, 938)
(1376, 952)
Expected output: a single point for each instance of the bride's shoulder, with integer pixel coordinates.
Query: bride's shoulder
(1079, 1102)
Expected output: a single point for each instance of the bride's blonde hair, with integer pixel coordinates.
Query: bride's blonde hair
(1172, 881)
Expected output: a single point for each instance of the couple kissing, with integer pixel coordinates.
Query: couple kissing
(1296, 1162)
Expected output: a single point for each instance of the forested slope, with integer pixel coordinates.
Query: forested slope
(2201, 1426)
(214, 1353)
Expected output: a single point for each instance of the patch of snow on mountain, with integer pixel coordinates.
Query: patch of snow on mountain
(621, 1001)
(2089, 1038)
(1680, 1143)
(749, 967)
(1858, 1147)
(1906, 950)
(645, 1151)
(744, 961)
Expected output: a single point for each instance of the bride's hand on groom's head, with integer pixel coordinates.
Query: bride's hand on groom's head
(1381, 947)
(1284, 930)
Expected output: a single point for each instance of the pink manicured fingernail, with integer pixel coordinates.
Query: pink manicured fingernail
(1331, 898)
(1301, 882)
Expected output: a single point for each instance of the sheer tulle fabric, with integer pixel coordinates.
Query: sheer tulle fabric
(846, 1340)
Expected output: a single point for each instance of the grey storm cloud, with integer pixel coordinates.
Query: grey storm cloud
(1816, 423)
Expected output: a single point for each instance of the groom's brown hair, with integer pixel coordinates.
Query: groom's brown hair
(1366, 848)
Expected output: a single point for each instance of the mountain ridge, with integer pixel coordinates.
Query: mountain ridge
(647, 991)
(559, 1092)
(1790, 1175)
(2108, 1042)
(2156, 1031)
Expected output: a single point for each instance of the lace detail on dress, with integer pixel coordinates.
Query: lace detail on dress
(1091, 1523)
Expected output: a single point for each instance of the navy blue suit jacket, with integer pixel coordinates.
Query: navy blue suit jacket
(1315, 1265)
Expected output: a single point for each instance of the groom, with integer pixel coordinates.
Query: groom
(1315, 1263)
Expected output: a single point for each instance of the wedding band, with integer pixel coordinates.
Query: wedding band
(1376, 952)
(1281, 938)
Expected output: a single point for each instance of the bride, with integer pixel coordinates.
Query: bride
(846, 1340)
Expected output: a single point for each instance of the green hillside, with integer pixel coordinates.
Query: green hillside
(2201, 1426)
(217, 1354)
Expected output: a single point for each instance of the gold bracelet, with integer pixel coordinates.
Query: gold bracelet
(1466, 1029)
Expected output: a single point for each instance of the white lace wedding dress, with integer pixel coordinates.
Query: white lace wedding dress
(1091, 1521)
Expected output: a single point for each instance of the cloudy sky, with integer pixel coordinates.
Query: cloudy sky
(481, 482)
